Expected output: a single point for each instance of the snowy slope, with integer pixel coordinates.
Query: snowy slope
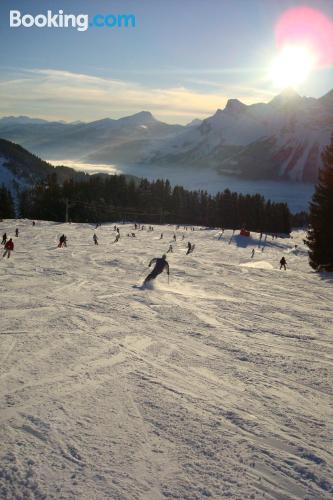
(217, 385)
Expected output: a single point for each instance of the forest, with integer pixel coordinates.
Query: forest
(117, 197)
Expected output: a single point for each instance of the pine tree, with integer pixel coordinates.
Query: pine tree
(320, 234)
(7, 209)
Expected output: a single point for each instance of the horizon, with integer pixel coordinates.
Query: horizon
(179, 65)
(97, 119)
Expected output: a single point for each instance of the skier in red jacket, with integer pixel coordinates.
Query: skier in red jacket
(9, 247)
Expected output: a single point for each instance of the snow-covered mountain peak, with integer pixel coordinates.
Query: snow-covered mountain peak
(194, 123)
(234, 106)
(286, 97)
(141, 118)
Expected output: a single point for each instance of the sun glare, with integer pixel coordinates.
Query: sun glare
(292, 66)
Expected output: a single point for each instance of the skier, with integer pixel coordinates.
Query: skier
(16, 232)
(117, 238)
(62, 241)
(95, 239)
(33, 223)
(9, 247)
(252, 253)
(283, 264)
(170, 250)
(190, 248)
(161, 237)
(4, 239)
(160, 265)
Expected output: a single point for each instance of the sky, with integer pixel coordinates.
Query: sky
(182, 60)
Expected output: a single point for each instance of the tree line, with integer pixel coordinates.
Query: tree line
(117, 197)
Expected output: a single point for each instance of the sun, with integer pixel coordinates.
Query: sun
(292, 66)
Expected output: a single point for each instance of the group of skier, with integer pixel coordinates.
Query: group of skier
(160, 262)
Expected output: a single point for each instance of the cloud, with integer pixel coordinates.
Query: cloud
(63, 95)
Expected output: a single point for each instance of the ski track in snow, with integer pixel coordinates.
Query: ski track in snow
(218, 385)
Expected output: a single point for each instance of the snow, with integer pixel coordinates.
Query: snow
(215, 385)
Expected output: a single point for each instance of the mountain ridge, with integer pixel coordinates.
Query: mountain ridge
(281, 139)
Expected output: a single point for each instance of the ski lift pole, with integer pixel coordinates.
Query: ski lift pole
(67, 207)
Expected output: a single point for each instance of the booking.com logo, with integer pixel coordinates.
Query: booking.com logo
(61, 20)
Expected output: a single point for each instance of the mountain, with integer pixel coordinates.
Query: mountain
(282, 139)
(127, 139)
(21, 120)
(194, 123)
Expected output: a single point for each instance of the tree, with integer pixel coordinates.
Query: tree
(110, 198)
(320, 234)
(7, 209)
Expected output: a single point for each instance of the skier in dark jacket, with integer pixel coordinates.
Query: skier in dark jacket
(160, 265)
(283, 264)
(4, 239)
(62, 241)
(16, 232)
(95, 239)
(190, 248)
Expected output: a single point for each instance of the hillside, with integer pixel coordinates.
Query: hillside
(215, 385)
(20, 169)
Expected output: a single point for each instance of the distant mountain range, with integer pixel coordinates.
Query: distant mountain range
(109, 141)
(281, 139)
